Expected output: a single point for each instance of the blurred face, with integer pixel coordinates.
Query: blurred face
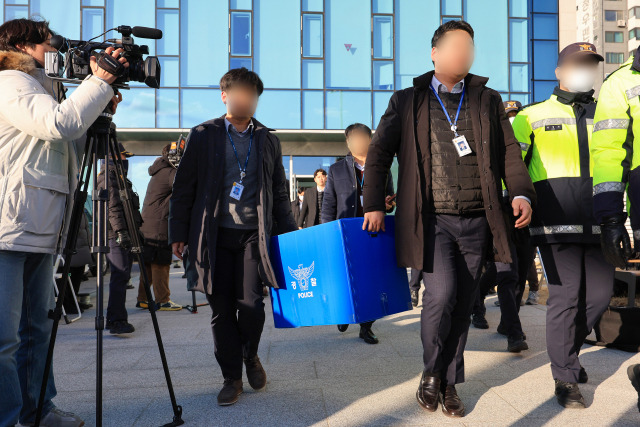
(37, 51)
(241, 101)
(454, 53)
(320, 179)
(358, 143)
(578, 73)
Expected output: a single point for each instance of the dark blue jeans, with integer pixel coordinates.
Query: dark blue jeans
(120, 262)
(26, 296)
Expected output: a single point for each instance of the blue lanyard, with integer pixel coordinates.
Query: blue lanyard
(243, 172)
(454, 125)
(361, 181)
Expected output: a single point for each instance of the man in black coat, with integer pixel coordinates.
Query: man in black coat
(311, 210)
(229, 191)
(454, 145)
(119, 256)
(296, 205)
(155, 229)
(343, 194)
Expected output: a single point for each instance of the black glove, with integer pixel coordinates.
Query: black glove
(124, 241)
(614, 239)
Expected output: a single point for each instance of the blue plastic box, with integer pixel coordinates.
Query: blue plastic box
(336, 273)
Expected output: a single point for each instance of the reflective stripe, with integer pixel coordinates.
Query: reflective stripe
(505, 193)
(524, 146)
(595, 229)
(553, 121)
(633, 92)
(589, 122)
(611, 124)
(605, 187)
(556, 229)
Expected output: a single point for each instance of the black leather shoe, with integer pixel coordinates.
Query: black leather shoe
(452, 406)
(582, 376)
(568, 395)
(368, 336)
(414, 298)
(120, 327)
(428, 393)
(343, 328)
(502, 330)
(516, 344)
(231, 391)
(479, 321)
(255, 373)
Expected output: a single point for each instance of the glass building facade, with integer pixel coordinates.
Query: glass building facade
(325, 63)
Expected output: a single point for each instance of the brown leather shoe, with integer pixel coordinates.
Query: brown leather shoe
(452, 406)
(255, 373)
(231, 390)
(428, 392)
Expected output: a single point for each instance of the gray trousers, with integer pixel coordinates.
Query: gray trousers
(458, 246)
(580, 289)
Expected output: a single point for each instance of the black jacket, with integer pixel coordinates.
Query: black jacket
(340, 195)
(155, 212)
(295, 208)
(404, 130)
(195, 202)
(310, 208)
(117, 221)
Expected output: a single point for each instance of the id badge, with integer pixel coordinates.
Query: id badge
(236, 191)
(462, 146)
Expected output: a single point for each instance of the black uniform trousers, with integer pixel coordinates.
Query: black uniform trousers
(237, 305)
(120, 262)
(414, 282)
(580, 289)
(458, 246)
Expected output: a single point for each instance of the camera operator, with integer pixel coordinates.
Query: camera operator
(38, 171)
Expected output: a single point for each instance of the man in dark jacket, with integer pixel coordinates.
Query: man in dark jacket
(311, 210)
(454, 145)
(296, 205)
(155, 229)
(343, 194)
(229, 191)
(119, 256)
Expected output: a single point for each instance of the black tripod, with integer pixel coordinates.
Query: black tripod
(102, 144)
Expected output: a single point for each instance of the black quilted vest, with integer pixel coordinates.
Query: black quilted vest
(455, 180)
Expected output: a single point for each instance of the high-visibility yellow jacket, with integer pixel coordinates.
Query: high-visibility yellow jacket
(616, 133)
(555, 135)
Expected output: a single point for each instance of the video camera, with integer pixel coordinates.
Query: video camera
(75, 64)
(176, 151)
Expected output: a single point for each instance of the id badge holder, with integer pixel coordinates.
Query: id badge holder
(462, 146)
(236, 191)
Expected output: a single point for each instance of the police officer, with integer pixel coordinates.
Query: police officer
(555, 135)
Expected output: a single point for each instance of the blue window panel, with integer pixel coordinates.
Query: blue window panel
(312, 74)
(93, 2)
(277, 47)
(413, 54)
(380, 103)
(519, 8)
(137, 109)
(239, 63)
(545, 6)
(522, 97)
(204, 38)
(241, 33)
(120, 12)
(312, 109)
(169, 23)
(519, 78)
(545, 26)
(452, 7)
(490, 21)
(63, 15)
(168, 3)
(348, 44)
(383, 75)
(308, 165)
(383, 37)
(241, 4)
(199, 105)
(542, 90)
(279, 109)
(21, 2)
(167, 108)
(545, 58)
(312, 35)
(312, 5)
(519, 40)
(347, 107)
(382, 6)
(16, 12)
(92, 23)
(169, 71)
